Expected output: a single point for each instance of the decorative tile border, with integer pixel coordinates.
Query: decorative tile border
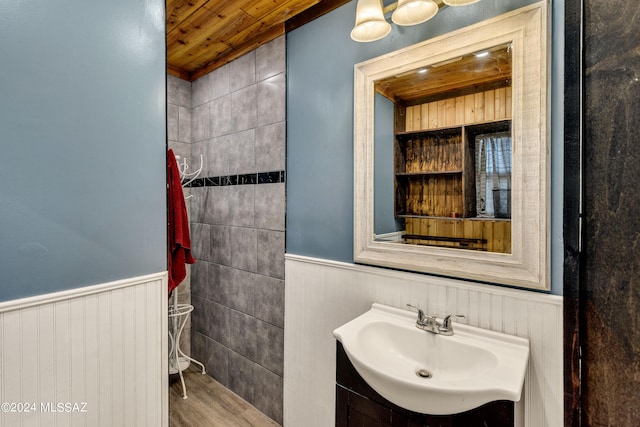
(243, 179)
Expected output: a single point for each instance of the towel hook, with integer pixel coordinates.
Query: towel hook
(183, 168)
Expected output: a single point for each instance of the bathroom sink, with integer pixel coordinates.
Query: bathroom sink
(432, 373)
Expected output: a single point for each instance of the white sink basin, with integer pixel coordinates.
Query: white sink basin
(457, 373)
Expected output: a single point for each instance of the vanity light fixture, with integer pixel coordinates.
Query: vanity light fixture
(371, 24)
(413, 12)
(459, 2)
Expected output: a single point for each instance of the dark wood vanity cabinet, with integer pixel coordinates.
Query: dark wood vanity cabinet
(358, 405)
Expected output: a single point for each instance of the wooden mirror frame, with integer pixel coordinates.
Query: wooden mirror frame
(528, 264)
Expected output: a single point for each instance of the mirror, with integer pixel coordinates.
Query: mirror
(451, 154)
(450, 139)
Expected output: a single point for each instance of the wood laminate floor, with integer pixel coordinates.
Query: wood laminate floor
(209, 403)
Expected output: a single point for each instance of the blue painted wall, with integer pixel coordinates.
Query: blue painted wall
(384, 174)
(82, 140)
(320, 61)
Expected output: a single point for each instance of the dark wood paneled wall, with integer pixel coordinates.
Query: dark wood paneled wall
(571, 209)
(610, 265)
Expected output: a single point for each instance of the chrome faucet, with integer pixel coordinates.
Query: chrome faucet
(446, 328)
(431, 324)
(425, 322)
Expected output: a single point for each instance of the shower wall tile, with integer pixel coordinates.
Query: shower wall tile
(239, 291)
(200, 123)
(271, 59)
(242, 72)
(226, 151)
(181, 149)
(218, 323)
(270, 346)
(242, 154)
(198, 148)
(238, 209)
(219, 82)
(271, 107)
(234, 288)
(172, 121)
(219, 276)
(270, 206)
(243, 334)
(220, 116)
(197, 204)
(211, 86)
(201, 241)
(242, 372)
(184, 296)
(217, 164)
(244, 109)
(179, 140)
(269, 300)
(215, 153)
(242, 205)
(213, 355)
(270, 260)
(269, 399)
(201, 90)
(270, 147)
(178, 91)
(221, 244)
(184, 124)
(217, 361)
(218, 206)
(243, 248)
(200, 284)
(199, 323)
(185, 339)
(198, 346)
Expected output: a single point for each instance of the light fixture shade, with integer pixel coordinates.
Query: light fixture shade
(370, 22)
(412, 12)
(459, 2)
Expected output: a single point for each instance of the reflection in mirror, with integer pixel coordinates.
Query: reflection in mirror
(444, 132)
(463, 152)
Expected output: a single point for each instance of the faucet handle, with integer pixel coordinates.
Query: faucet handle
(419, 310)
(446, 323)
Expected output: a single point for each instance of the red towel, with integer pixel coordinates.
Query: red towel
(179, 242)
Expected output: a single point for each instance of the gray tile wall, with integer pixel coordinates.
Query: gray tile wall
(238, 125)
(179, 116)
(179, 140)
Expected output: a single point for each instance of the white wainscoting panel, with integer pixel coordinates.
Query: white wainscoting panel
(321, 295)
(95, 356)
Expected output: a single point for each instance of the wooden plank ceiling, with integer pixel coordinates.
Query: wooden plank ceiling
(203, 35)
(490, 68)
